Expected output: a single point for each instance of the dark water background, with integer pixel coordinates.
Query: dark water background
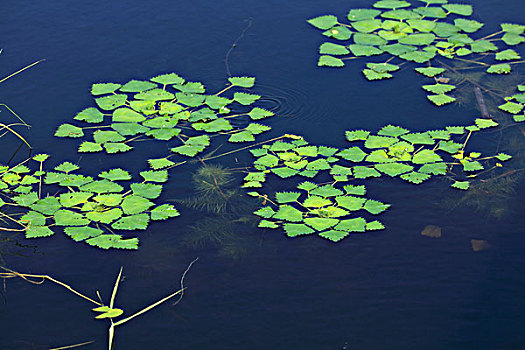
(392, 289)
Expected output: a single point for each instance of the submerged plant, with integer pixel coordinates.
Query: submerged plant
(227, 213)
(215, 191)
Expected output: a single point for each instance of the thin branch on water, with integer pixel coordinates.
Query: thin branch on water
(182, 281)
(21, 70)
(27, 277)
(74, 345)
(234, 45)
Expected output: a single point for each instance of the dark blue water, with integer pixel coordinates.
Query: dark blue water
(392, 289)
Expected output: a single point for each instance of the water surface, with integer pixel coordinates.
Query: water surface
(392, 289)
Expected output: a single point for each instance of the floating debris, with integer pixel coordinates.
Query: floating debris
(432, 231)
(479, 244)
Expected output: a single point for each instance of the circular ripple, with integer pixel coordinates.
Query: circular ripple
(291, 103)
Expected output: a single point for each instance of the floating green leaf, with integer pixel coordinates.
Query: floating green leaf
(68, 130)
(462, 185)
(362, 172)
(284, 172)
(248, 82)
(135, 204)
(438, 88)
(374, 141)
(288, 213)
(128, 129)
(127, 115)
(69, 218)
(422, 25)
(350, 202)
(323, 22)
(468, 25)
(421, 39)
(46, 206)
(103, 88)
(72, 199)
(339, 33)
(445, 30)
(111, 102)
(190, 87)
(108, 200)
(156, 95)
(133, 222)
(485, 123)
(434, 169)
(511, 107)
(286, 197)
(115, 175)
(362, 14)
(333, 235)
(67, 167)
(333, 49)
(320, 224)
(441, 99)
(82, 233)
(116, 147)
(503, 68)
(373, 75)
(352, 225)
(259, 113)
(472, 166)
(364, 50)
(512, 39)
(415, 177)
(137, 86)
(483, 46)
(90, 115)
(244, 98)
(163, 212)
(169, 78)
(426, 156)
(418, 56)
(431, 12)
(513, 28)
(294, 230)
(103, 136)
(391, 4)
(102, 186)
(459, 9)
(38, 232)
(155, 176)
(400, 15)
(113, 241)
(357, 135)
(393, 169)
(503, 157)
(33, 218)
(160, 163)
(105, 216)
(375, 207)
(329, 61)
